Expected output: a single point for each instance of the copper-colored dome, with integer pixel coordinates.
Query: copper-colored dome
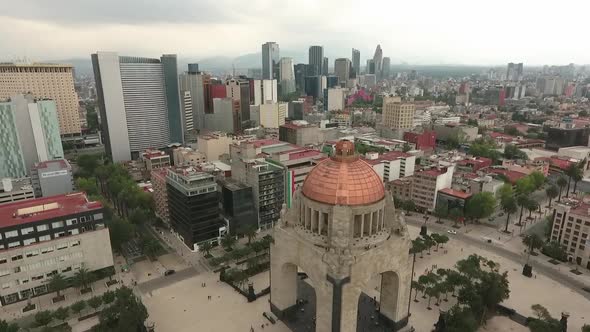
(344, 179)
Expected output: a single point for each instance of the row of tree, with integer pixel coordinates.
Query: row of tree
(427, 242)
(82, 279)
(544, 322)
(511, 200)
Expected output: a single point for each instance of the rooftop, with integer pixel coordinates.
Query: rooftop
(34, 210)
(512, 176)
(61, 163)
(455, 193)
(432, 172)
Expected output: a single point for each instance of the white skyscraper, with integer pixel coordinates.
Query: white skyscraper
(133, 104)
(287, 76)
(378, 61)
(265, 91)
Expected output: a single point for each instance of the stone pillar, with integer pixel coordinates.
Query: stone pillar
(362, 225)
(350, 302)
(370, 224)
(389, 295)
(323, 295)
(283, 293)
(320, 221)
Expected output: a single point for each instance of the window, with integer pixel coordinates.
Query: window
(14, 244)
(27, 230)
(4, 273)
(26, 242)
(67, 269)
(44, 238)
(62, 246)
(57, 224)
(32, 253)
(74, 232)
(42, 228)
(570, 218)
(16, 258)
(3, 261)
(82, 219)
(75, 243)
(11, 234)
(98, 216)
(39, 277)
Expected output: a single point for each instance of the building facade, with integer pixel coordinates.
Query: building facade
(14, 190)
(398, 115)
(270, 60)
(137, 108)
(45, 236)
(236, 206)
(51, 178)
(342, 67)
(45, 81)
(196, 83)
(30, 134)
(356, 62)
(426, 185)
(316, 60)
(193, 207)
(571, 229)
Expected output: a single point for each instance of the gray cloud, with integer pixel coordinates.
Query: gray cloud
(67, 12)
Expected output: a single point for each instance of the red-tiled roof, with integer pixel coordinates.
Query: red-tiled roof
(264, 142)
(512, 176)
(68, 204)
(44, 164)
(558, 162)
(478, 160)
(455, 193)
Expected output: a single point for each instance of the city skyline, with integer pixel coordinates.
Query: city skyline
(40, 31)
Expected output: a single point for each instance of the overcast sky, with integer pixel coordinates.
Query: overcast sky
(418, 32)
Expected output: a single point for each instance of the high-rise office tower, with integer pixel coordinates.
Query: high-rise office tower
(186, 102)
(52, 81)
(136, 104)
(29, 133)
(386, 70)
(300, 74)
(316, 60)
(270, 60)
(342, 69)
(370, 69)
(325, 66)
(378, 61)
(287, 76)
(356, 63)
(195, 82)
(514, 71)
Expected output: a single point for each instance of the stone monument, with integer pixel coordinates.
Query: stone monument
(342, 230)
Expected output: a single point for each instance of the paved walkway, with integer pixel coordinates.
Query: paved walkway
(559, 273)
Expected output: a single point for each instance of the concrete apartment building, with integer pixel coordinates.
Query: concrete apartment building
(160, 193)
(426, 185)
(391, 165)
(299, 133)
(193, 207)
(30, 134)
(14, 190)
(184, 156)
(49, 235)
(214, 145)
(266, 179)
(51, 178)
(398, 114)
(154, 159)
(571, 229)
(44, 81)
(139, 103)
(272, 115)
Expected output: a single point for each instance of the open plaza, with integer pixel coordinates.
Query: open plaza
(185, 305)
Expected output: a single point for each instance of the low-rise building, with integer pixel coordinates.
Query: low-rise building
(473, 164)
(571, 229)
(214, 145)
(452, 131)
(45, 236)
(452, 199)
(14, 190)
(426, 185)
(50, 178)
(184, 156)
(300, 133)
(391, 165)
(154, 159)
(401, 188)
(425, 141)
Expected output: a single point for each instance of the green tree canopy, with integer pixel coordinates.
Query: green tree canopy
(127, 313)
(42, 318)
(480, 205)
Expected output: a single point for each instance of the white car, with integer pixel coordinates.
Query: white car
(451, 231)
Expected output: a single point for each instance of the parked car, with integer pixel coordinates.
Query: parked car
(169, 272)
(452, 231)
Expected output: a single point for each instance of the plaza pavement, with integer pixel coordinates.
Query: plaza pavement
(184, 305)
